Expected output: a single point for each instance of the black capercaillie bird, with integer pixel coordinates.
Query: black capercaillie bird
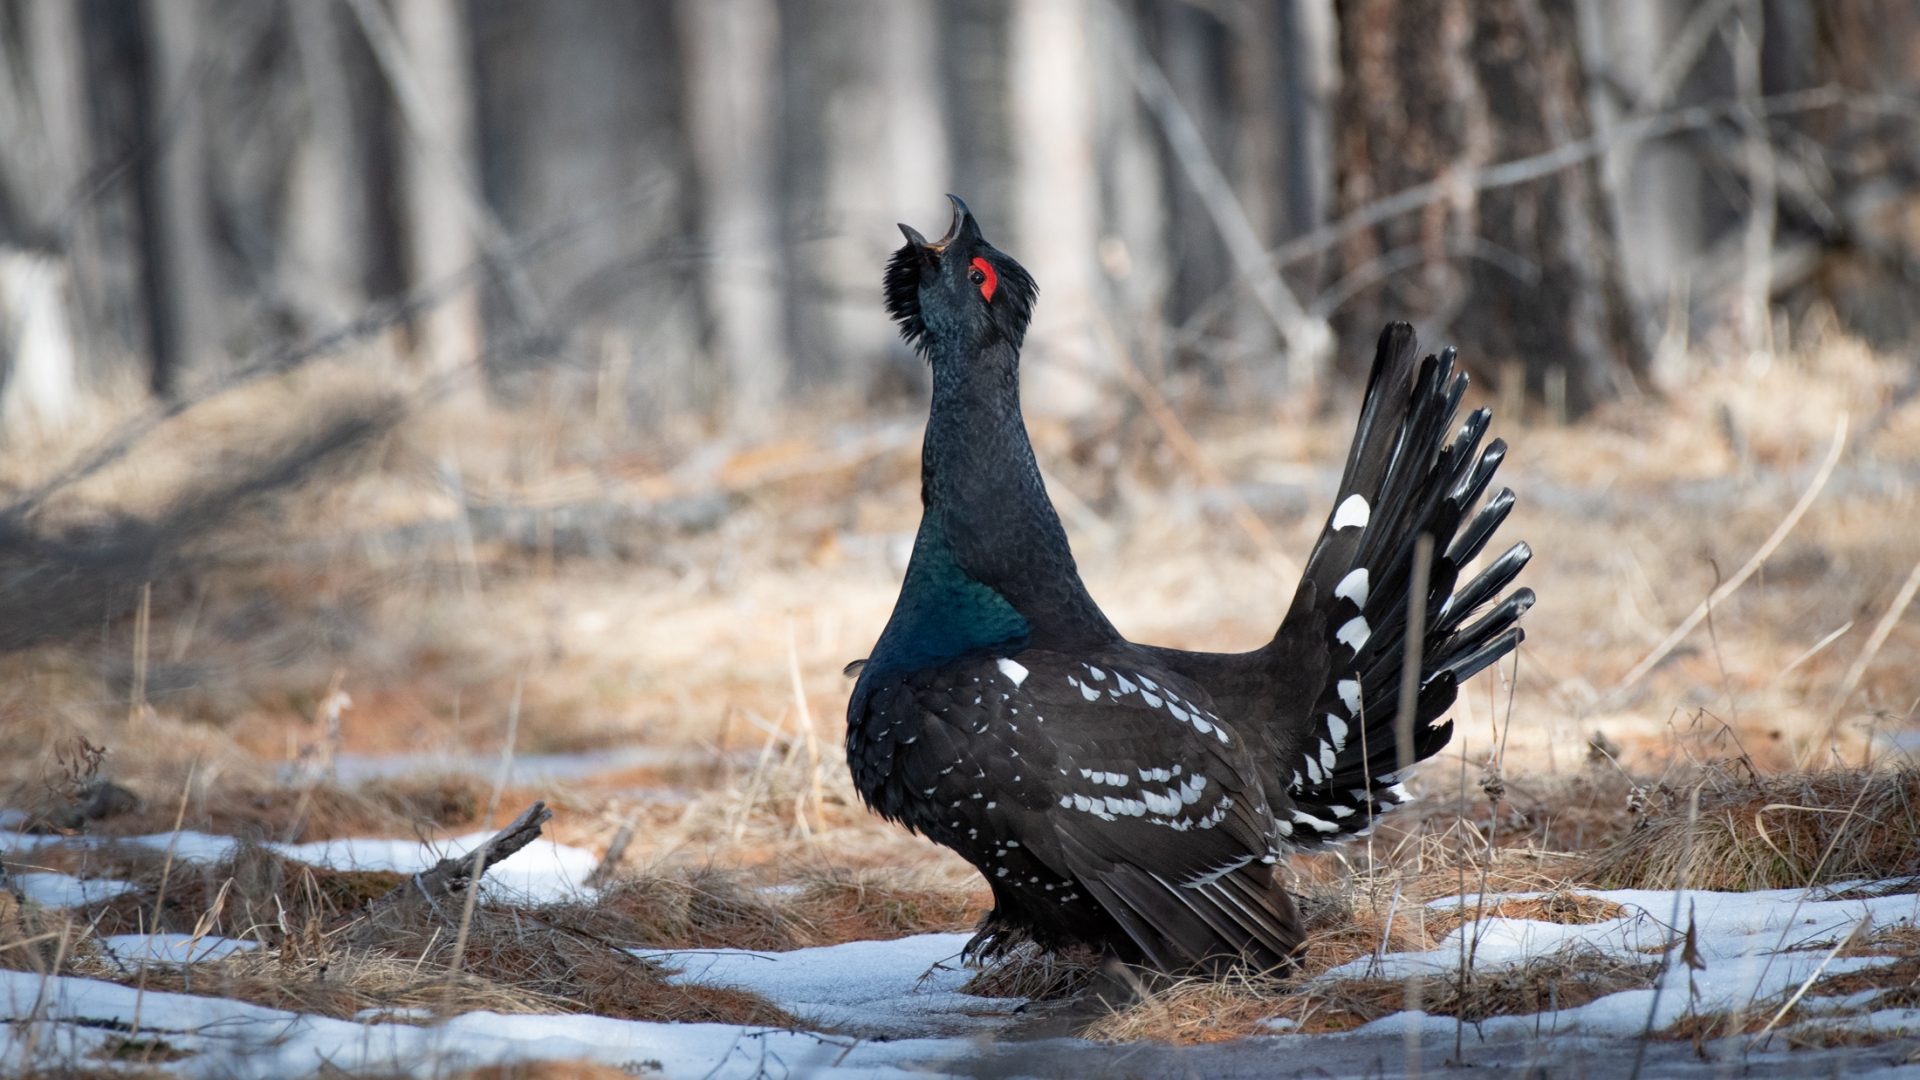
(1134, 798)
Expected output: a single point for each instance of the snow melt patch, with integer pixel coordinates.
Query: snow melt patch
(541, 871)
(56, 890)
(230, 1039)
(172, 948)
(874, 989)
(1756, 946)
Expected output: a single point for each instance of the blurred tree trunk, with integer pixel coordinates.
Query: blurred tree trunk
(1527, 273)
(580, 107)
(182, 270)
(323, 265)
(1056, 233)
(732, 56)
(863, 149)
(436, 161)
(49, 250)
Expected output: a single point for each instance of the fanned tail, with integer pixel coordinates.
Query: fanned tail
(1347, 630)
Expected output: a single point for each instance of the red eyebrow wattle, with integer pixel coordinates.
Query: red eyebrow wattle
(993, 279)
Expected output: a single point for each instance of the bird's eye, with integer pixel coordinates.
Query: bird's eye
(982, 275)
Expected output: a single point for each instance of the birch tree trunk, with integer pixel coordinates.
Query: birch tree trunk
(323, 258)
(864, 149)
(440, 230)
(56, 247)
(1057, 229)
(732, 57)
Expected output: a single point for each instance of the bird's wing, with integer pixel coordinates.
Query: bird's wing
(1064, 778)
(1346, 631)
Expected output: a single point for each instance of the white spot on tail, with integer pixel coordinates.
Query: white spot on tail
(1353, 635)
(1012, 670)
(1354, 511)
(1308, 819)
(1354, 586)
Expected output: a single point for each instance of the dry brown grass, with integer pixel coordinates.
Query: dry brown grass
(1203, 1010)
(1782, 831)
(1027, 971)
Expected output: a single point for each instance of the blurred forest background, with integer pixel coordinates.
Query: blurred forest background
(679, 210)
(455, 355)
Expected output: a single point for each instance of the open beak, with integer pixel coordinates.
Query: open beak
(936, 247)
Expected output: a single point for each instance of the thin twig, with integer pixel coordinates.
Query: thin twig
(1879, 637)
(160, 898)
(1666, 957)
(1522, 170)
(1403, 723)
(1720, 594)
(1810, 980)
(1811, 653)
(480, 852)
(1307, 337)
(813, 742)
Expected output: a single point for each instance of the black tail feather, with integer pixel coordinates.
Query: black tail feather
(1398, 486)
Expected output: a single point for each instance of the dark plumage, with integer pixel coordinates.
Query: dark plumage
(1136, 798)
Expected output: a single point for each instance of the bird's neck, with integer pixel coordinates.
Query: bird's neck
(991, 566)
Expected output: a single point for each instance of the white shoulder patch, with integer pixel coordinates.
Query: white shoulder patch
(1012, 670)
(1354, 511)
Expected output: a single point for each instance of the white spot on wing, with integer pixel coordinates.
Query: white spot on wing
(1354, 511)
(1354, 586)
(1090, 693)
(1337, 728)
(1125, 686)
(1012, 670)
(1349, 695)
(1353, 635)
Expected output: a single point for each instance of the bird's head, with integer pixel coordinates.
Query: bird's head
(957, 291)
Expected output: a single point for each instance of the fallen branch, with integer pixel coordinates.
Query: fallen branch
(448, 878)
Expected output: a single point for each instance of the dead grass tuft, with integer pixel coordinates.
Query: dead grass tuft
(1201, 1010)
(340, 983)
(838, 904)
(1028, 971)
(699, 908)
(1773, 832)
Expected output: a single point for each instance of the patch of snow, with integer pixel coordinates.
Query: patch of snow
(173, 948)
(1755, 945)
(874, 989)
(543, 870)
(189, 846)
(230, 1039)
(56, 890)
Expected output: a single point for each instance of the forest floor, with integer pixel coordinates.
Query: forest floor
(1702, 852)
